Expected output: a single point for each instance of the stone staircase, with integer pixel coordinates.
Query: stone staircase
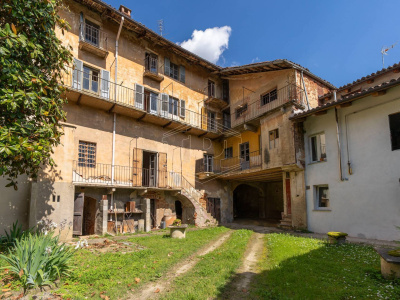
(286, 222)
(196, 197)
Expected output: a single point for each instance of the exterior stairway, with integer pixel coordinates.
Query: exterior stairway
(286, 222)
(202, 217)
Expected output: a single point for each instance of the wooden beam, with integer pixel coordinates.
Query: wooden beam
(396, 71)
(166, 125)
(142, 192)
(249, 127)
(142, 116)
(320, 113)
(203, 134)
(111, 109)
(369, 81)
(378, 93)
(79, 99)
(186, 130)
(347, 104)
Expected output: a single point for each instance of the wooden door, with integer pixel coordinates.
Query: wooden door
(137, 167)
(162, 170)
(78, 213)
(244, 156)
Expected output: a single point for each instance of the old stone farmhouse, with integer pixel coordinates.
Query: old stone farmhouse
(155, 133)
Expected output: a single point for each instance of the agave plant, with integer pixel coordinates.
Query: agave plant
(15, 234)
(38, 260)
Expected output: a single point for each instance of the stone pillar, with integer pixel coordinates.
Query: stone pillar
(146, 214)
(104, 214)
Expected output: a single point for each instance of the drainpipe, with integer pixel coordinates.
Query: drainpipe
(115, 98)
(339, 148)
(305, 89)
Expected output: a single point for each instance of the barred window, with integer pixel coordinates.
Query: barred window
(87, 154)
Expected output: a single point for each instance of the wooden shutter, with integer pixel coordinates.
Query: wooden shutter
(164, 105)
(182, 74)
(137, 167)
(167, 68)
(77, 74)
(182, 111)
(204, 118)
(162, 170)
(139, 96)
(81, 27)
(78, 213)
(105, 83)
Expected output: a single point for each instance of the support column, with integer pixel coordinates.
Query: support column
(146, 211)
(103, 214)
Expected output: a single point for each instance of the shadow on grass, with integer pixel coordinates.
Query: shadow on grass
(310, 269)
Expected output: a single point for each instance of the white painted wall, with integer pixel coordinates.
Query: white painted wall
(367, 203)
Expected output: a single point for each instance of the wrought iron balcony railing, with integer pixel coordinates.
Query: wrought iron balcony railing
(161, 105)
(93, 36)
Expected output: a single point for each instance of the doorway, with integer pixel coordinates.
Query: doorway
(214, 208)
(149, 176)
(244, 156)
(178, 209)
(84, 215)
(153, 213)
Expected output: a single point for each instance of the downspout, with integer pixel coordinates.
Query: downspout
(339, 147)
(115, 99)
(305, 89)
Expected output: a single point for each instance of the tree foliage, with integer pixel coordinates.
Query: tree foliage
(32, 61)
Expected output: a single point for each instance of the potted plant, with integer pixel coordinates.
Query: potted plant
(335, 237)
(177, 230)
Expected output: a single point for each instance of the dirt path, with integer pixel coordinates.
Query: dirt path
(240, 284)
(153, 289)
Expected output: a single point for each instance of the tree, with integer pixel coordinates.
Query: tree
(32, 61)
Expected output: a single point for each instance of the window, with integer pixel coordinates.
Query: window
(174, 71)
(322, 196)
(394, 124)
(92, 32)
(211, 121)
(225, 90)
(318, 148)
(208, 162)
(173, 106)
(90, 79)
(241, 110)
(226, 117)
(151, 63)
(274, 138)
(229, 152)
(269, 97)
(211, 89)
(87, 154)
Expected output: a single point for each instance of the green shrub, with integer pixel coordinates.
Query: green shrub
(177, 222)
(38, 260)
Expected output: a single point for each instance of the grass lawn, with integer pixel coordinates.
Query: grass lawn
(212, 273)
(304, 268)
(113, 274)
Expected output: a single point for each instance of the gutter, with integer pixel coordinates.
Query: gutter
(115, 115)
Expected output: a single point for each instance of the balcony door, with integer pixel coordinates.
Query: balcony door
(149, 171)
(244, 156)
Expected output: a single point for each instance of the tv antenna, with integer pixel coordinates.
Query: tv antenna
(384, 51)
(161, 26)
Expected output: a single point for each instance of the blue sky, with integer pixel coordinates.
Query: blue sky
(339, 41)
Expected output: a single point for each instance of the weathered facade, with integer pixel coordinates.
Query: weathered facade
(152, 124)
(352, 144)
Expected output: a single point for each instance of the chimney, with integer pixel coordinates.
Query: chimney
(126, 11)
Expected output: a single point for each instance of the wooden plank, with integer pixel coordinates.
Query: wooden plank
(137, 167)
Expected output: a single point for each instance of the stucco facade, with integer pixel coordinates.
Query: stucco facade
(363, 200)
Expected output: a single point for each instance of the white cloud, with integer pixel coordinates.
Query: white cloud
(255, 60)
(210, 43)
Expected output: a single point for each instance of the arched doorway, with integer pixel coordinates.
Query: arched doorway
(246, 202)
(89, 216)
(178, 209)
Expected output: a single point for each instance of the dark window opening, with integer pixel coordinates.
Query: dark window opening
(229, 152)
(241, 110)
(394, 124)
(92, 32)
(174, 71)
(211, 89)
(269, 97)
(208, 161)
(151, 62)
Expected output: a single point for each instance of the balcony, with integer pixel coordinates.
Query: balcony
(252, 107)
(223, 168)
(151, 69)
(92, 90)
(93, 40)
(216, 97)
(101, 175)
